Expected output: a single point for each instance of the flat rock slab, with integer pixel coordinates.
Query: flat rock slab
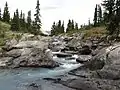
(60, 54)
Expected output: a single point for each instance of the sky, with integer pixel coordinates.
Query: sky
(53, 10)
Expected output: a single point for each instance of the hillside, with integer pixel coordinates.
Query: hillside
(6, 34)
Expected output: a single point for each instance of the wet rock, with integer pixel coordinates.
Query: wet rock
(95, 64)
(55, 80)
(34, 86)
(61, 55)
(92, 84)
(79, 84)
(37, 58)
(83, 58)
(5, 61)
(111, 72)
(85, 50)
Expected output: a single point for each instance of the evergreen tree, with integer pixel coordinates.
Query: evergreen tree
(62, 27)
(72, 25)
(0, 15)
(29, 21)
(76, 26)
(15, 25)
(53, 29)
(95, 16)
(117, 18)
(17, 21)
(89, 23)
(24, 23)
(37, 22)
(59, 27)
(99, 15)
(21, 20)
(6, 14)
(109, 6)
(69, 26)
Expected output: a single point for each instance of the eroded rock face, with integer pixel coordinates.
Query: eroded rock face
(92, 84)
(28, 54)
(102, 72)
(35, 58)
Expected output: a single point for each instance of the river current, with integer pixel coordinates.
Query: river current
(14, 79)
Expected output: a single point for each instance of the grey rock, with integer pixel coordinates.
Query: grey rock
(92, 84)
(83, 58)
(37, 58)
(5, 61)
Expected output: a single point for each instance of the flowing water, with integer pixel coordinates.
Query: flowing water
(13, 79)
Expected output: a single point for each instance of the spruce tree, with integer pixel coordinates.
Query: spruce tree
(21, 21)
(72, 25)
(29, 21)
(24, 22)
(15, 25)
(62, 27)
(117, 18)
(37, 22)
(109, 6)
(53, 29)
(95, 16)
(6, 14)
(59, 27)
(76, 26)
(99, 15)
(0, 15)
(69, 26)
(17, 21)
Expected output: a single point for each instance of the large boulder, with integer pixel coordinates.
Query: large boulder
(92, 84)
(74, 44)
(36, 57)
(32, 53)
(9, 44)
(31, 44)
(85, 50)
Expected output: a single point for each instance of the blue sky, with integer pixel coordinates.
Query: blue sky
(54, 10)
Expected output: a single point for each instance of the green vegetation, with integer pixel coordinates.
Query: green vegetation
(6, 34)
(112, 17)
(57, 28)
(19, 23)
(95, 32)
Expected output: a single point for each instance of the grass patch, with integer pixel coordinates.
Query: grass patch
(6, 34)
(92, 32)
(95, 32)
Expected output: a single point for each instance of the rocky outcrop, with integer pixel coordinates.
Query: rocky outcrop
(102, 72)
(27, 54)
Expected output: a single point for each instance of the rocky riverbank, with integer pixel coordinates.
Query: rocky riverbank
(100, 61)
(101, 69)
(30, 51)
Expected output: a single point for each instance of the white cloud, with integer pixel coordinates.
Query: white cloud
(54, 10)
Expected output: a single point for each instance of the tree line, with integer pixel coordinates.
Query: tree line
(112, 16)
(59, 28)
(19, 23)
